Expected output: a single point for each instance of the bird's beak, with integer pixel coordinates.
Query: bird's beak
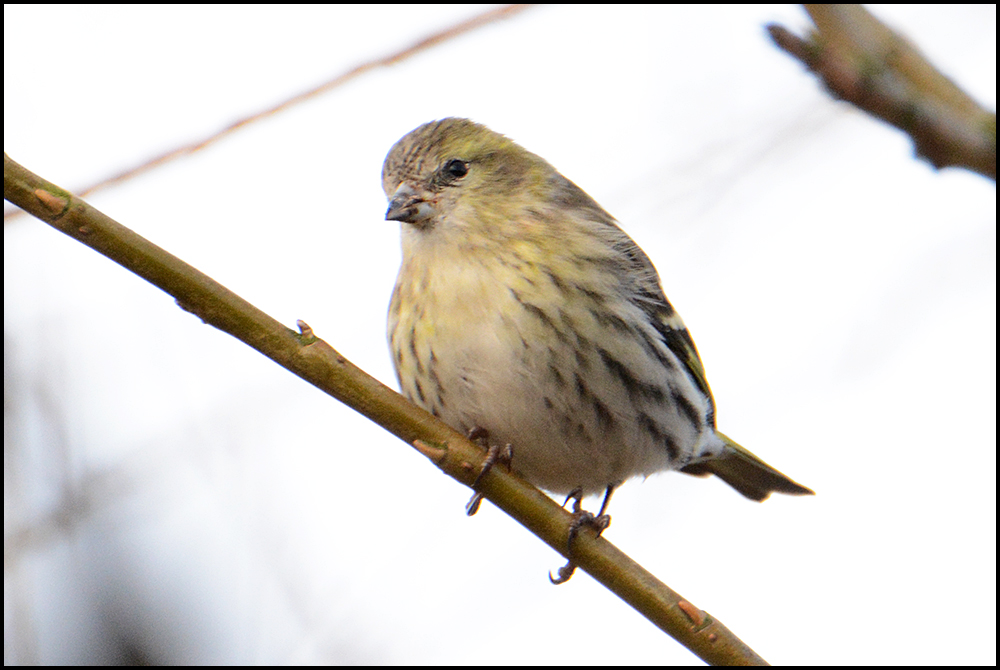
(410, 206)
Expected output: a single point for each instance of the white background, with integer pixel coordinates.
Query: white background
(172, 496)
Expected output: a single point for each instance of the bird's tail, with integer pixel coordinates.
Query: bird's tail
(746, 473)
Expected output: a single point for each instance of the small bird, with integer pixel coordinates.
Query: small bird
(524, 312)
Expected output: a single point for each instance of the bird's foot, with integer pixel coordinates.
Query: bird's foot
(581, 519)
(494, 454)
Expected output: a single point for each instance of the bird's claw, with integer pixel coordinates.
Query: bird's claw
(565, 572)
(581, 518)
(494, 454)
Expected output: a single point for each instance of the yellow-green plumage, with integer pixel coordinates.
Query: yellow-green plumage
(523, 309)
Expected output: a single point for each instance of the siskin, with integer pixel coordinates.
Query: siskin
(521, 309)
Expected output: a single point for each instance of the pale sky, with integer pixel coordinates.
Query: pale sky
(168, 488)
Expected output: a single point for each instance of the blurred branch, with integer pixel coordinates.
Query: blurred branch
(866, 63)
(316, 362)
(432, 40)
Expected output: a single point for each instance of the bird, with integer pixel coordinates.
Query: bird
(522, 312)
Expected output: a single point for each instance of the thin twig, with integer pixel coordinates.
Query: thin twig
(432, 40)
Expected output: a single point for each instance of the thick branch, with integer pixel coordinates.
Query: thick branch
(319, 364)
(862, 61)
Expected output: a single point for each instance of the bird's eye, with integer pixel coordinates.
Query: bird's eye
(455, 169)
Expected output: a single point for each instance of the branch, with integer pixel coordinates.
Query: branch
(432, 40)
(864, 62)
(318, 363)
